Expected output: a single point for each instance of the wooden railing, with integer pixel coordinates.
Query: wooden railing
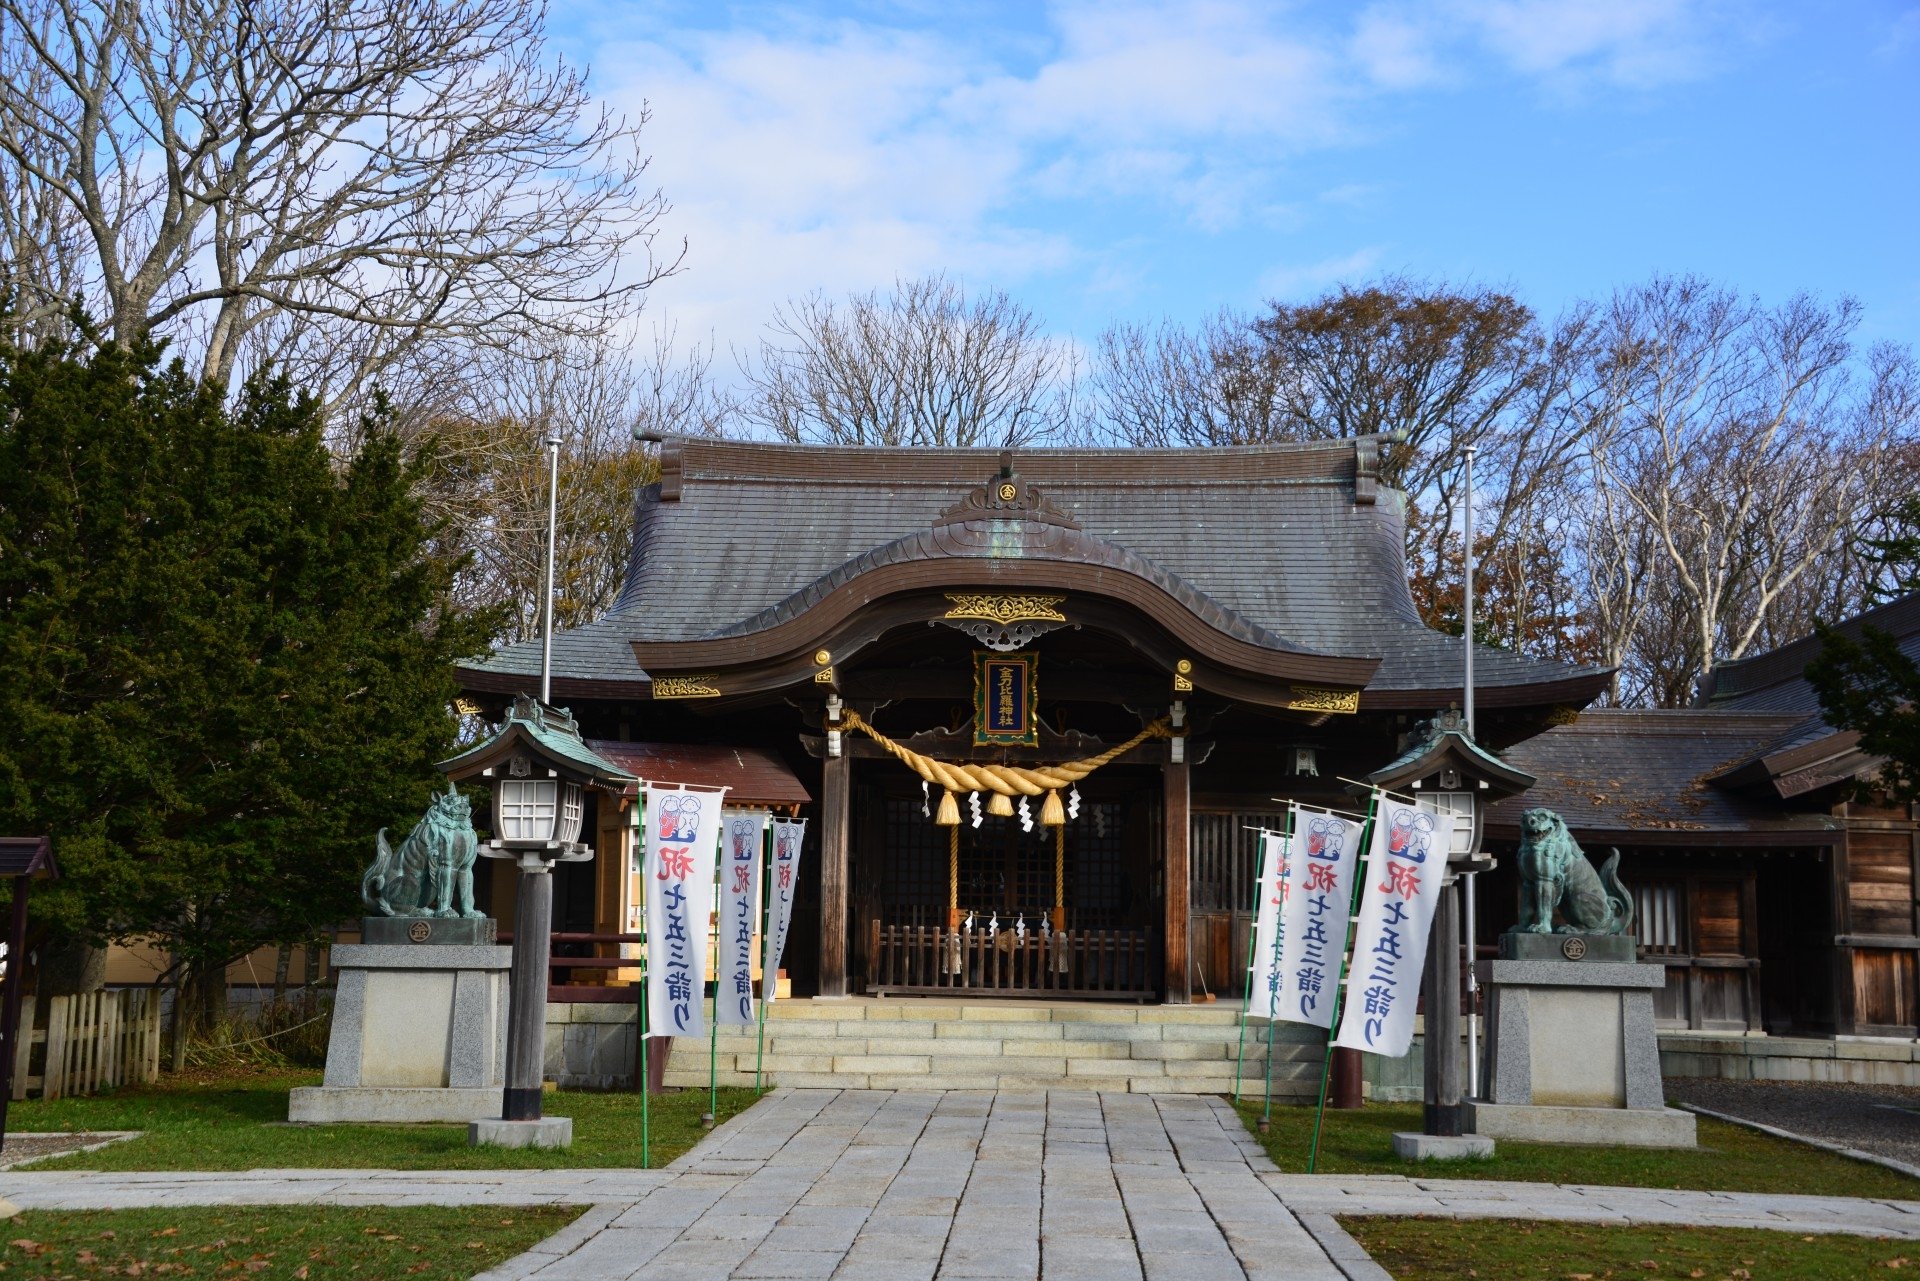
(91, 1042)
(928, 959)
(571, 955)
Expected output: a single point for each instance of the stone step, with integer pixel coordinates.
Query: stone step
(906, 1043)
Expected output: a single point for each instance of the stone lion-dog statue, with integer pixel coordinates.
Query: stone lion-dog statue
(431, 868)
(1554, 872)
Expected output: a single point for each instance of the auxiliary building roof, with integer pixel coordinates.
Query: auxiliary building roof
(1652, 775)
(1298, 542)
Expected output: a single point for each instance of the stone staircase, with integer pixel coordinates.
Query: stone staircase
(909, 1044)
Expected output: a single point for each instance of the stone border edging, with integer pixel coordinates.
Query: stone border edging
(1347, 1254)
(107, 1139)
(591, 1219)
(1839, 1149)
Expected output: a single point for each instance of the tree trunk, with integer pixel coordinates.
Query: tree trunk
(281, 964)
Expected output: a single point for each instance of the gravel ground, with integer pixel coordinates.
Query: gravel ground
(21, 1148)
(1882, 1119)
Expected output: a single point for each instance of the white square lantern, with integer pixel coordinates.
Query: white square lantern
(538, 812)
(539, 769)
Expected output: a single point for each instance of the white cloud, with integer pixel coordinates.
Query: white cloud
(1294, 280)
(804, 153)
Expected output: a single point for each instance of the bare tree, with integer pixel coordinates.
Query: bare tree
(489, 479)
(329, 184)
(1751, 449)
(1171, 386)
(1435, 364)
(925, 365)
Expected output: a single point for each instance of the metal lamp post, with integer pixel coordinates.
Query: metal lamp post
(539, 768)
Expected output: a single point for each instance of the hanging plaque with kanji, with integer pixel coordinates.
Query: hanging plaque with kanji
(1004, 689)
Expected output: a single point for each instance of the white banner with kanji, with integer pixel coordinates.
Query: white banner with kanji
(1313, 926)
(682, 831)
(742, 834)
(788, 836)
(1406, 862)
(1263, 979)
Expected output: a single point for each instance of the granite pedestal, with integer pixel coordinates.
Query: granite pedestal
(1571, 1051)
(419, 1034)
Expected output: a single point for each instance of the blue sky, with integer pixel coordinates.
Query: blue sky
(1116, 161)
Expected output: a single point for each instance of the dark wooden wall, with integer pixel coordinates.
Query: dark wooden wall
(1878, 931)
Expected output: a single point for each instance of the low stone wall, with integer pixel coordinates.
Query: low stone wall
(1790, 1058)
(590, 1045)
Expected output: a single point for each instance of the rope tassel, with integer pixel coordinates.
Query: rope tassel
(949, 815)
(1052, 812)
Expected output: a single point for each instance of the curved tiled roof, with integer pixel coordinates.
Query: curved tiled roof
(1295, 547)
(978, 539)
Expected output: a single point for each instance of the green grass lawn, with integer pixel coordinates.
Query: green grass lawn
(235, 1120)
(276, 1243)
(1730, 1158)
(1517, 1250)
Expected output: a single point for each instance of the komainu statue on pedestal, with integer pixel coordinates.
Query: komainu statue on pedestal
(1554, 872)
(431, 869)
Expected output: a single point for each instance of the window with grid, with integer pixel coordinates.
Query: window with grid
(573, 808)
(1005, 871)
(526, 808)
(1658, 917)
(1460, 806)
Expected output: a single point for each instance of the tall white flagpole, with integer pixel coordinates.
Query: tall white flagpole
(546, 599)
(1466, 699)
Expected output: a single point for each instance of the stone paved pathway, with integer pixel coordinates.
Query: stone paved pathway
(873, 1184)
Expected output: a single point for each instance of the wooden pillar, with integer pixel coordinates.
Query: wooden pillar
(836, 800)
(1179, 827)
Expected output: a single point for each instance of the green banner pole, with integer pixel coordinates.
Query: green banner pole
(1279, 937)
(1253, 941)
(1364, 864)
(713, 1018)
(646, 977)
(767, 981)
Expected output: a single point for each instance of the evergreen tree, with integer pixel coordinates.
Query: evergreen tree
(1870, 686)
(227, 657)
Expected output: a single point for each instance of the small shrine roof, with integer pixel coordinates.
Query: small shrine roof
(547, 730)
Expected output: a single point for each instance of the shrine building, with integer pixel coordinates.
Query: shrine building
(1202, 635)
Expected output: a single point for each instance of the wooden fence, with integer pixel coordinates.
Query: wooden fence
(925, 959)
(90, 1042)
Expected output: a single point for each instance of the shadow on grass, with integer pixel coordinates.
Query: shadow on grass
(1730, 1158)
(236, 1120)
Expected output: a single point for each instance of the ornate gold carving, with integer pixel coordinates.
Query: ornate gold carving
(1313, 698)
(824, 676)
(1005, 609)
(1008, 491)
(701, 686)
(1181, 684)
(821, 658)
